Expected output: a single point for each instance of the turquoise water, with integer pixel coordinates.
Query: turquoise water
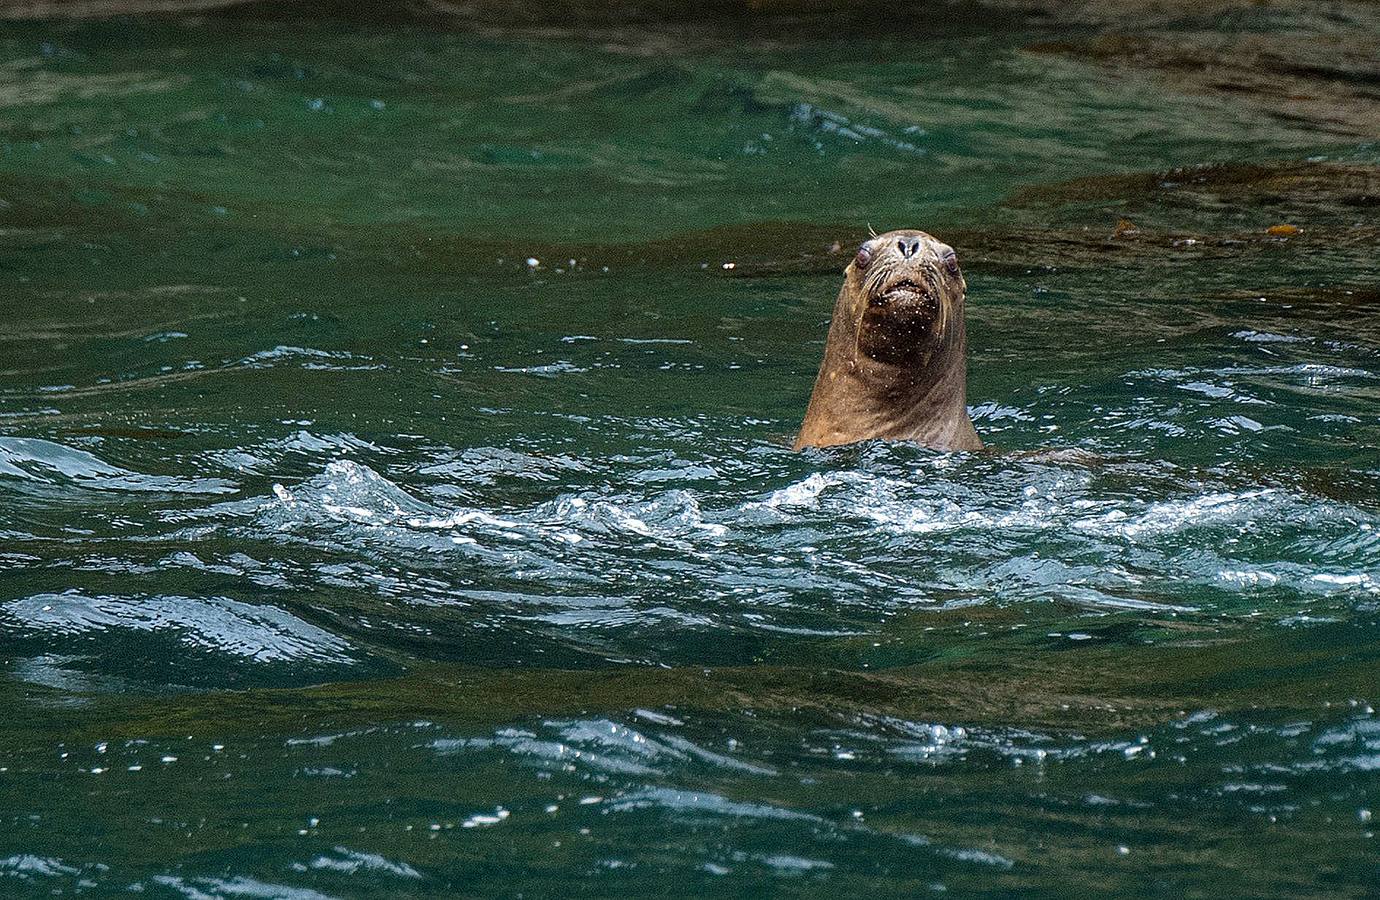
(396, 494)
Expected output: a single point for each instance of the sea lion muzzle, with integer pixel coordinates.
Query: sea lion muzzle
(903, 291)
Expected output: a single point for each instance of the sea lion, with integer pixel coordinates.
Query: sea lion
(895, 362)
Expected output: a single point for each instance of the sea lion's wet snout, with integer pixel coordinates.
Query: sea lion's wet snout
(910, 283)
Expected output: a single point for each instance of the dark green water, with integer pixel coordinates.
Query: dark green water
(343, 552)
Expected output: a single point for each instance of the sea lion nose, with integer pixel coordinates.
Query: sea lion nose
(908, 248)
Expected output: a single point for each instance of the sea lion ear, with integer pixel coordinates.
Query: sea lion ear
(950, 260)
(864, 256)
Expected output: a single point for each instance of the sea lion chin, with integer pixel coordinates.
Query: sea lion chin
(895, 364)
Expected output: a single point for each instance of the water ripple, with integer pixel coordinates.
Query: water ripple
(779, 562)
(40, 460)
(255, 632)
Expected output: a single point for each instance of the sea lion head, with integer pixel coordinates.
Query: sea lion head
(906, 293)
(895, 361)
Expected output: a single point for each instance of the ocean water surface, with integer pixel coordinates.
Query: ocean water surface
(396, 494)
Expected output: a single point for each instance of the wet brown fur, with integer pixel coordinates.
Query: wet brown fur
(895, 364)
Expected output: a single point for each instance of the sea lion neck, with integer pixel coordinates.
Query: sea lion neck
(894, 363)
(932, 376)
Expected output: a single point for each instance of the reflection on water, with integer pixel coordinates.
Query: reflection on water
(431, 528)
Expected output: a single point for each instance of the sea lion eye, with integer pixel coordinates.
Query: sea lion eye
(950, 260)
(864, 257)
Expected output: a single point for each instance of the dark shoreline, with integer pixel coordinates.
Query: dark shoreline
(631, 12)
